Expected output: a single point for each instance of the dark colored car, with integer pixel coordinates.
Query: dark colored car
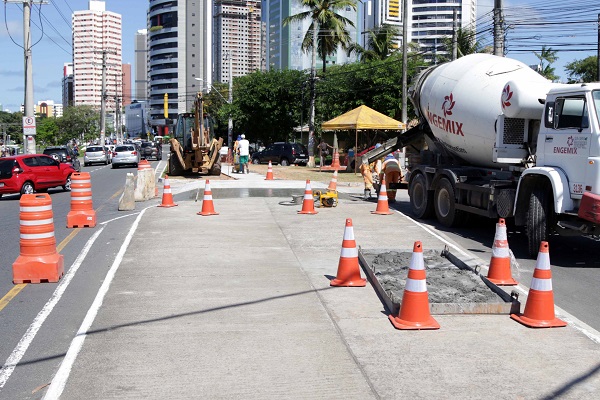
(28, 173)
(64, 154)
(282, 153)
(151, 150)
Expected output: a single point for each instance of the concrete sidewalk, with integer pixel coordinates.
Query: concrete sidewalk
(238, 306)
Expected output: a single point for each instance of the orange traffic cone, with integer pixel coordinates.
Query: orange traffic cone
(167, 198)
(38, 260)
(333, 183)
(499, 272)
(308, 205)
(348, 273)
(414, 310)
(208, 207)
(539, 309)
(382, 201)
(82, 214)
(335, 160)
(269, 172)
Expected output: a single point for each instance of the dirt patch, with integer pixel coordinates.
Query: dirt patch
(446, 283)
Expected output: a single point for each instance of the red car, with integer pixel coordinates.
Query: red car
(28, 173)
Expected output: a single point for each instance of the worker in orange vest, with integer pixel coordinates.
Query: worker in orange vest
(392, 172)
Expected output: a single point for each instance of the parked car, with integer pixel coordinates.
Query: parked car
(96, 154)
(151, 150)
(125, 154)
(64, 154)
(28, 173)
(282, 153)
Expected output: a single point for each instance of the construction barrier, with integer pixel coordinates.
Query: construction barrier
(145, 185)
(127, 199)
(539, 308)
(383, 207)
(167, 198)
(38, 261)
(414, 311)
(269, 172)
(499, 271)
(208, 207)
(82, 214)
(308, 205)
(348, 272)
(333, 183)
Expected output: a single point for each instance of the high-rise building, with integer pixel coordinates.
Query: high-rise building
(96, 32)
(179, 55)
(237, 35)
(126, 100)
(284, 43)
(429, 21)
(141, 65)
(67, 85)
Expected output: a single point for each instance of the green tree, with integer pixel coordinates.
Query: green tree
(381, 43)
(547, 57)
(585, 70)
(78, 122)
(329, 24)
(47, 131)
(266, 105)
(12, 124)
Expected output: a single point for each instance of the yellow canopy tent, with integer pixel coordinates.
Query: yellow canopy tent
(362, 118)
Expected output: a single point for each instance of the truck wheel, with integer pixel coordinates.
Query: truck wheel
(421, 200)
(538, 222)
(445, 204)
(174, 168)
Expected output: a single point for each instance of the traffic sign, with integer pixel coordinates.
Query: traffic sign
(29, 126)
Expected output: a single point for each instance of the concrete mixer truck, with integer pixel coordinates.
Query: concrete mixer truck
(502, 141)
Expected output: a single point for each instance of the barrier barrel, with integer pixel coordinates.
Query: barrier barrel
(82, 214)
(39, 261)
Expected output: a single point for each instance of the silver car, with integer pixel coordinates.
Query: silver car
(96, 154)
(125, 154)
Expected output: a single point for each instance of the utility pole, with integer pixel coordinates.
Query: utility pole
(498, 33)
(103, 101)
(29, 132)
(313, 95)
(454, 35)
(404, 66)
(230, 101)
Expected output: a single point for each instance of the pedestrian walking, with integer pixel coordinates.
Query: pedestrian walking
(323, 151)
(244, 149)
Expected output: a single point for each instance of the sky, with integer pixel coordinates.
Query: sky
(560, 24)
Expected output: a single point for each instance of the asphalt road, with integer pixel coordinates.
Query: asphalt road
(35, 310)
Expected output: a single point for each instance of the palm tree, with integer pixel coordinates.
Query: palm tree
(548, 55)
(328, 24)
(466, 43)
(381, 43)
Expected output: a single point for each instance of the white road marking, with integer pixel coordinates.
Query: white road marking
(114, 219)
(16, 355)
(60, 379)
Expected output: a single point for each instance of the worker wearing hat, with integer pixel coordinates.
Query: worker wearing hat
(392, 172)
(244, 149)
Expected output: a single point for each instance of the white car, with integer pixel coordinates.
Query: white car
(125, 154)
(96, 154)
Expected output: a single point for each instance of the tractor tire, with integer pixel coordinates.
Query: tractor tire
(175, 169)
(216, 168)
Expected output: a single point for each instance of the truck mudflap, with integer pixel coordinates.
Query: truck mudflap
(589, 208)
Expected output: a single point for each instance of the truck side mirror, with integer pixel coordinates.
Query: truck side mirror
(549, 115)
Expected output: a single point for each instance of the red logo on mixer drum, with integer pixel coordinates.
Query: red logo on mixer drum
(506, 96)
(444, 122)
